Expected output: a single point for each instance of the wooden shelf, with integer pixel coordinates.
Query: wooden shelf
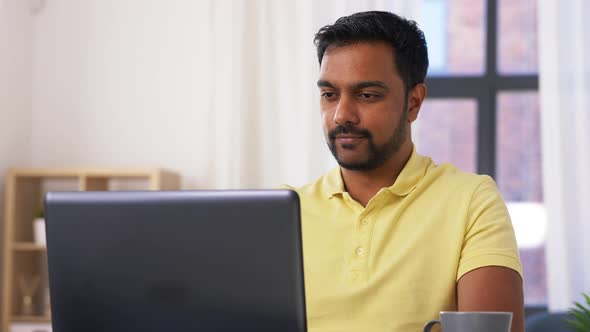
(31, 319)
(25, 189)
(28, 246)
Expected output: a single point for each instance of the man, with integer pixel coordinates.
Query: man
(390, 238)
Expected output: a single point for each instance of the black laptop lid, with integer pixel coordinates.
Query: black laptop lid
(175, 261)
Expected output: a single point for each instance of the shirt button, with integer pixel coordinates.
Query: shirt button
(364, 221)
(359, 251)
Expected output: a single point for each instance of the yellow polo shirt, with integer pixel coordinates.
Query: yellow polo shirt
(393, 265)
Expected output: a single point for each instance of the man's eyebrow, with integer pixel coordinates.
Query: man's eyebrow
(357, 86)
(323, 83)
(370, 84)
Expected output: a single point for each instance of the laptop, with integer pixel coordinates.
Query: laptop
(175, 261)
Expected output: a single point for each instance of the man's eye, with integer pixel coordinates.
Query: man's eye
(328, 95)
(369, 96)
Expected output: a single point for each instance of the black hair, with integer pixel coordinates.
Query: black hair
(407, 40)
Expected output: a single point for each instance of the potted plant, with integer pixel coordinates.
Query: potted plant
(579, 320)
(39, 227)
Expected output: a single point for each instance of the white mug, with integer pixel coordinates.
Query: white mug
(469, 321)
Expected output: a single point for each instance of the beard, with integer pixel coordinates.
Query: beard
(377, 155)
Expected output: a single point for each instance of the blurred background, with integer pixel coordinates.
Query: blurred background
(223, 93)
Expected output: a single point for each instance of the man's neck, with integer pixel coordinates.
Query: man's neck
(364, 185)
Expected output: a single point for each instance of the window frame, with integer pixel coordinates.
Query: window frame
(484, 89)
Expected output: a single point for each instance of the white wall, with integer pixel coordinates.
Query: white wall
(15, 86)
(15, 92)
(122, 83)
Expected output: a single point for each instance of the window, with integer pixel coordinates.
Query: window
(441, 139)
(483, 89)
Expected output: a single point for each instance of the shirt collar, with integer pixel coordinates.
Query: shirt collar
(333, 183)
(411, 174)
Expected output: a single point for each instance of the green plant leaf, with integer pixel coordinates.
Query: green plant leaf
(578, 326)
(579, 318)
(583, 310)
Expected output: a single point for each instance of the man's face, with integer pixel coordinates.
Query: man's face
(363, 104)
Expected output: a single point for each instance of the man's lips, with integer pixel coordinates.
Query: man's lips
(349, 139)
(350, 136)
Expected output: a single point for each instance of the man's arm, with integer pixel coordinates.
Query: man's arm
(492, 288)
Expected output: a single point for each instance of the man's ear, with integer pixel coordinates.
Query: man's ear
(415, 99)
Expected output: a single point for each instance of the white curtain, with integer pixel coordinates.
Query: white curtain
(266, 58)
(565, 106)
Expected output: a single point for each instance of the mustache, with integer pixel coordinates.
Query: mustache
(340, 130)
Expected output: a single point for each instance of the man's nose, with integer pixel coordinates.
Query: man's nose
(346, 112)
